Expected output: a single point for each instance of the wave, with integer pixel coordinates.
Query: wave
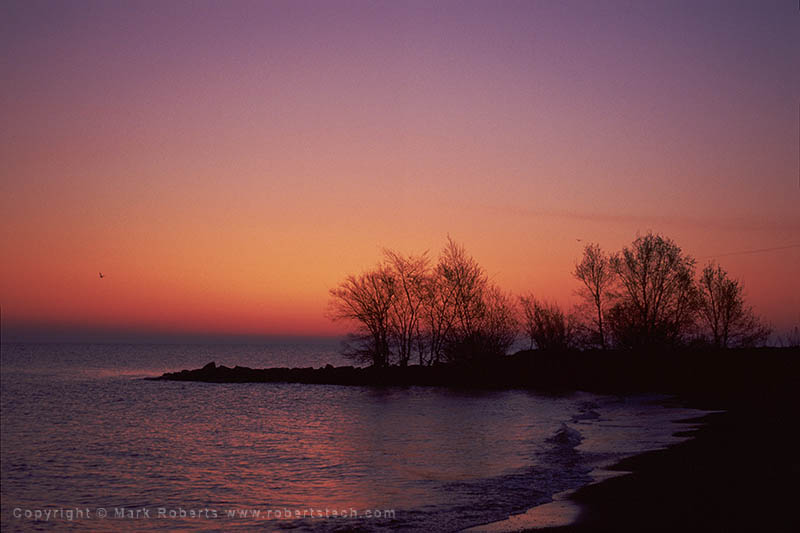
(566, 436)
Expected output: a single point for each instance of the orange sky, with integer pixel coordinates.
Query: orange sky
(225, 165)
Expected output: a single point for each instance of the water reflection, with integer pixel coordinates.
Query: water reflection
(442, 458)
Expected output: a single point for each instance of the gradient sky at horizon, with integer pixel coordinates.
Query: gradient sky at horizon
(225, 164)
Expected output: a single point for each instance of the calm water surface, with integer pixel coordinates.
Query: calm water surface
(81, 431)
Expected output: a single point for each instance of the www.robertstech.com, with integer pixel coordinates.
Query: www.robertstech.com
(139, 513)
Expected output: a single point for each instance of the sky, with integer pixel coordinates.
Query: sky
(225, 164)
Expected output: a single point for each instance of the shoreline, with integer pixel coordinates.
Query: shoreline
(737, 472)
(562, 511)
(567, 509)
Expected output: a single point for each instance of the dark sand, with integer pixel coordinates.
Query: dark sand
(740, 472)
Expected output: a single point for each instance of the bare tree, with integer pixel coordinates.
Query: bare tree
(367, 301)
(656, 303)
(528, 318)
(402, 306)
(724, 313)
(473, 318)
(547, 326)
(410, 275)
(597, 276)
(791, 339)
(436, 321)
(500, 325)
(465, 281)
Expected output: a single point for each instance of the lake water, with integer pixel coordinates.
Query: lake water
(88, 445)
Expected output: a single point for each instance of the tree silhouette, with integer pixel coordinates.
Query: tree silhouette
(500, 325)
(401, 306)
(411, 274)
(479, 320)
(791, 339)
(436, 319)
(644, 296)
(465, 282)
(547, 326)
(597, 276)
(367, 300)
(656, 302)
(723, 311)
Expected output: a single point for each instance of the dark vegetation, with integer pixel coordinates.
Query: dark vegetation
(645, 296)
(405, 308)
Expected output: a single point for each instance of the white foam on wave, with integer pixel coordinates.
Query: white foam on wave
(566, 436)
(603, 432)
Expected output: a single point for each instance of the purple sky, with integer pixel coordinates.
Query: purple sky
(240, 158)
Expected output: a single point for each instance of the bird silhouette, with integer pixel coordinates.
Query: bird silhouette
(101, 275)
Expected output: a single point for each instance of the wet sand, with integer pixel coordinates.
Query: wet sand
(740, 472)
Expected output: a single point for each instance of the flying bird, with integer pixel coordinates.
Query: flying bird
(101, 275)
